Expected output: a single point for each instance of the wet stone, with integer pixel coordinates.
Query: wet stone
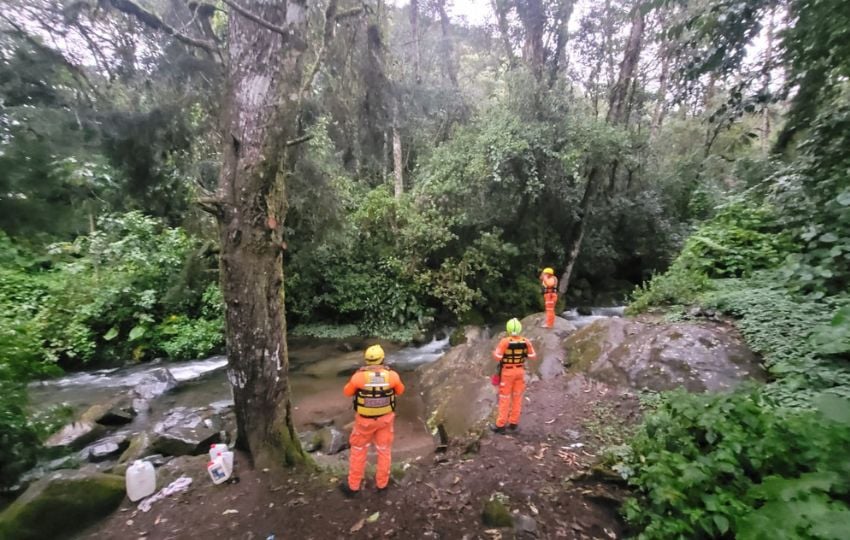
(154, 384)
(525, 526)
(333, 440)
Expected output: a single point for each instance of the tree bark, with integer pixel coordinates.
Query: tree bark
(398, 159)
(264, 79)
(533, 19)
(447, 45)
(559, 59)
(417, 47)
(618, 105)
(766, 79)
(661, 96)
(501, 8)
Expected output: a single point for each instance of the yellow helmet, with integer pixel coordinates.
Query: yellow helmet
(374, 354)
(514, 327)
(548, 270)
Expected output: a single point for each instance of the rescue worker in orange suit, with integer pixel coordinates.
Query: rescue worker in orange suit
(511, 353)
(373, 388)
(549, 283)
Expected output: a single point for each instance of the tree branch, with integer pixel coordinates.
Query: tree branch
(327, 36)
(259, 20)
(299, 140)
(76, 72)
(153, 21)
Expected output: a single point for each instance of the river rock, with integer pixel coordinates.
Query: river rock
(61, 504)
(154, 384)
(457, 390)
(139, 447)
(627, 353)
(185, 432)
(104, 449)
(76, 434)
(525, 526)
(310, 441)
(333, 440)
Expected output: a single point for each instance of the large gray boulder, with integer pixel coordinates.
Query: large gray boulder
(154, 384)
(628, 353)
(333, 441)
(61, 504)
(457, 389)
(76, 434)
(107, 448)
(186, 432)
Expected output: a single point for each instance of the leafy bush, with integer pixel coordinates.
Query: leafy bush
(18, 438)
(677, 286)
(731, 466)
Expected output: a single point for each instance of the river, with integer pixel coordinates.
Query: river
(318, 371)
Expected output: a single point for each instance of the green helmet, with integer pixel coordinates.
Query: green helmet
(514, 327)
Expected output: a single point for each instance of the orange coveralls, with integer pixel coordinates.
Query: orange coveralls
(376, 429)
(550, 297)
(512, 384)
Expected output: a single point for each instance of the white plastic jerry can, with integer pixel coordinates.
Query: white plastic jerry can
(216, 448)
(141, 480)
(227, 458)
(218, 470)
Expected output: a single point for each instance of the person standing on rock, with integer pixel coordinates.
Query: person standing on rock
(374, 388)
(511, 353)
(549, 283)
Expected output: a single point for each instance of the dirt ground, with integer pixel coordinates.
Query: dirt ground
(537, 471)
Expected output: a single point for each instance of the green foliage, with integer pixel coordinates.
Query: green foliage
(106, 300)
(733, 466)
(678, 286)
(18, 438)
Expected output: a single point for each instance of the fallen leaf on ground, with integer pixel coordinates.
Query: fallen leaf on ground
(533, 508)
(357, 526)
(373, 518)
(552, 421)
(229, 511)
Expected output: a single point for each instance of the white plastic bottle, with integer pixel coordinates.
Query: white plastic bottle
(218, 470)
(140, 480)
(216, 448)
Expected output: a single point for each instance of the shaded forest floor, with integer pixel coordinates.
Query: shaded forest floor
(540, 472)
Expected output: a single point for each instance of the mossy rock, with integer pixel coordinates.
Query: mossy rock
(61, 505)
(496, 514)
(458, 337)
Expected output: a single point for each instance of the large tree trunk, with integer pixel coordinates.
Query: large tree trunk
(398, 158)
(559, 59)
(661, 96)
(618, 113)
(618, 106)
(533, 19)
(766, 80)
(501, 8)
(260, 116)
(417, 47)
(447, 45)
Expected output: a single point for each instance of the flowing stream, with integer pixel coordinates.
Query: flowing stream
(318, 371)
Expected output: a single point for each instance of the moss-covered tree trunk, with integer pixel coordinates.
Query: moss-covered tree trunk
(261, 104)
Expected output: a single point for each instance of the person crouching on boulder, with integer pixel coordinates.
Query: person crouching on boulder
(511, 353)
(374, 388)
(549, 284)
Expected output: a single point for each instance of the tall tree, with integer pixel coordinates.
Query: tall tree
(618, 114)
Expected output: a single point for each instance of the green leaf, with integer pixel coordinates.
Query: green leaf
(111, 334)
(137, 332)
(722, 523)
(828, 237)
(834, 408)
